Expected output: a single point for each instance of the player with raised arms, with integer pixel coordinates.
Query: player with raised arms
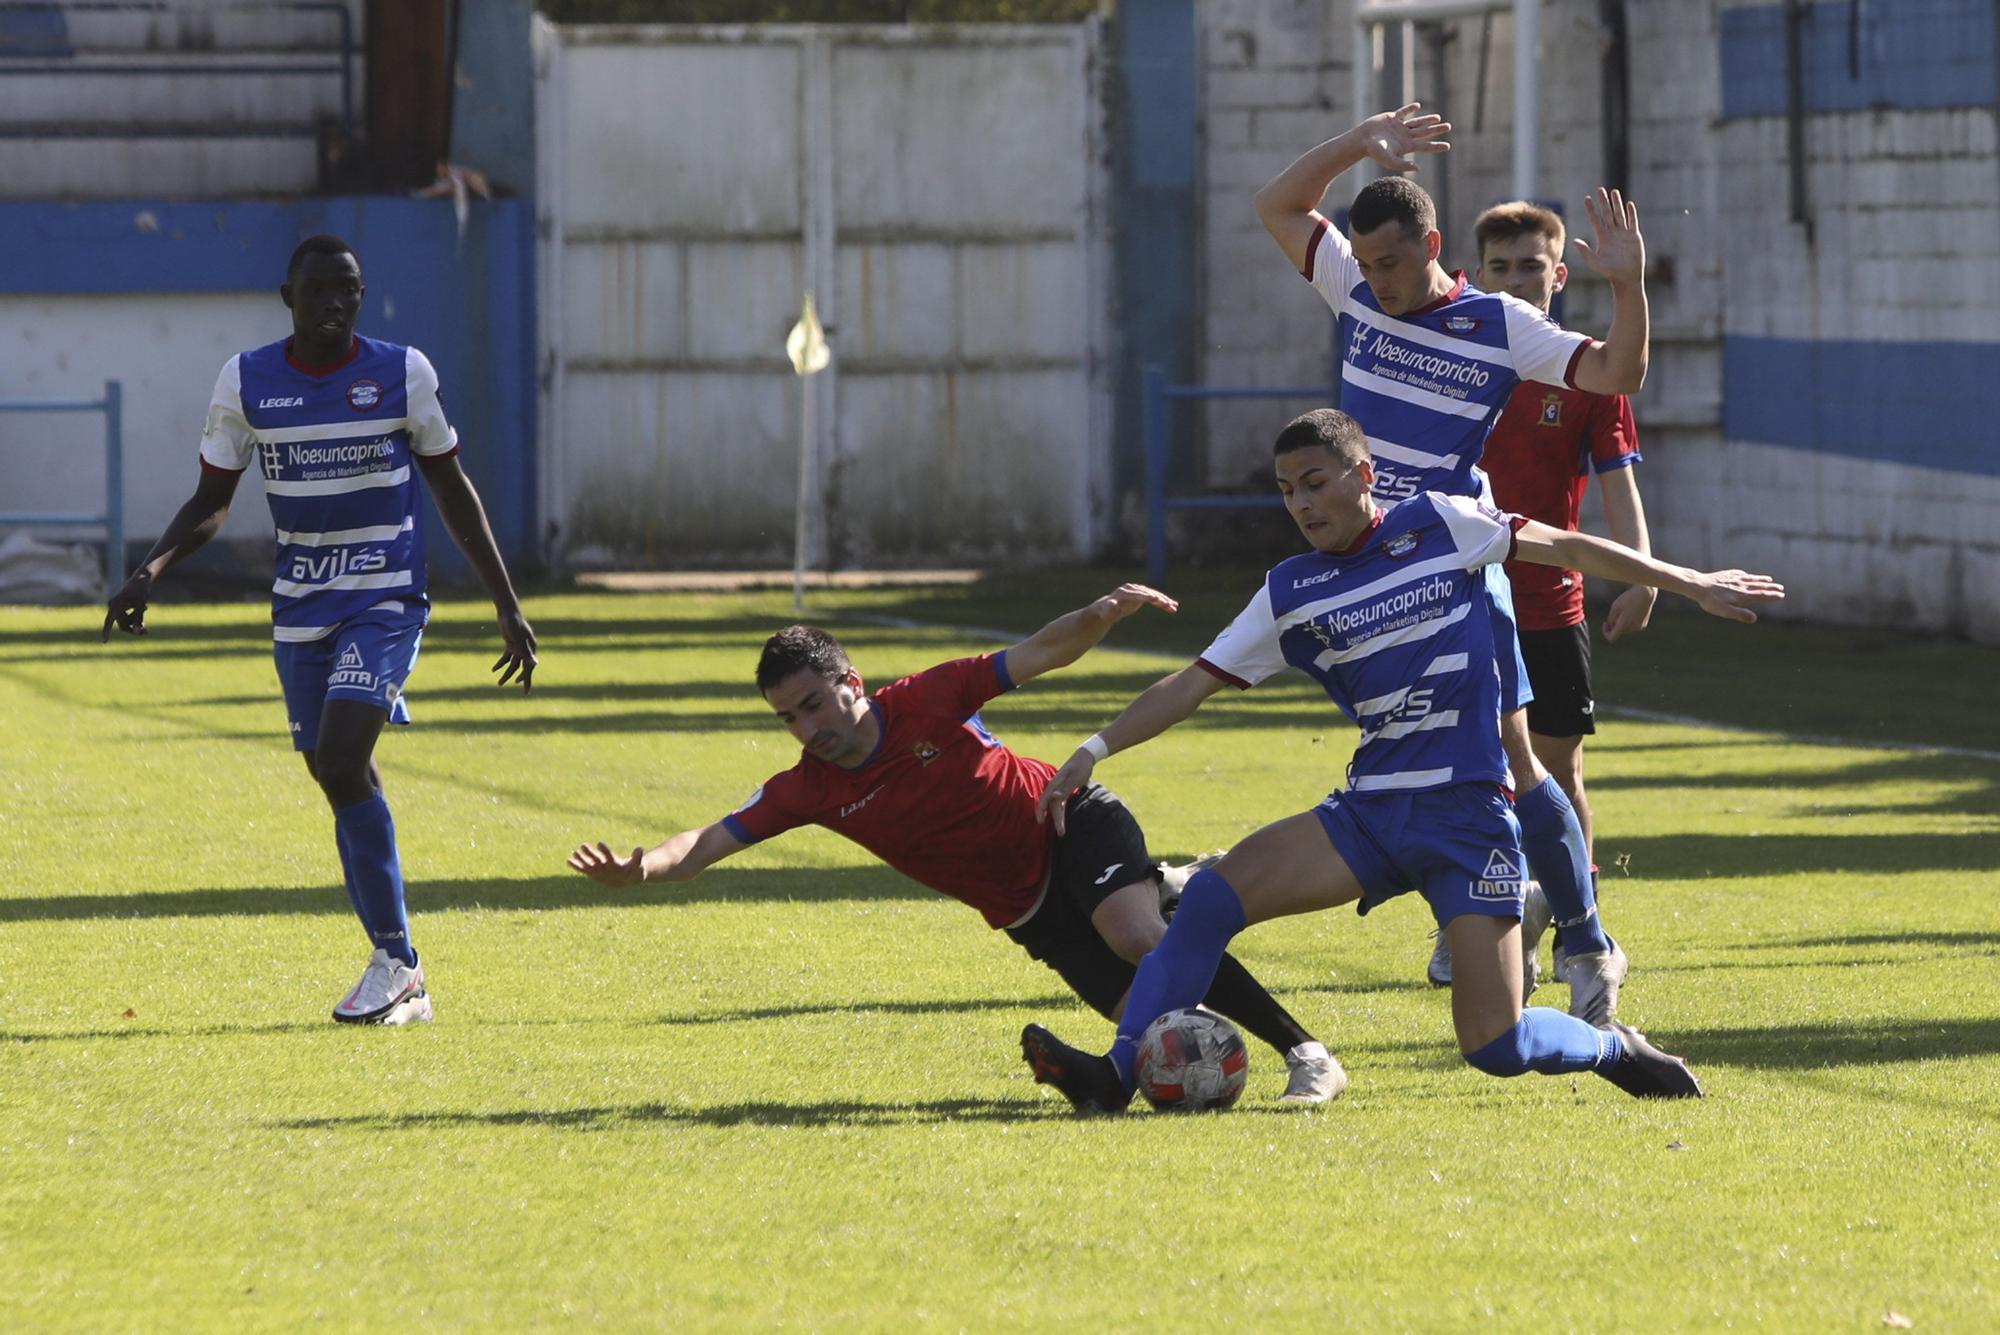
(1387, 613)
(912, 775)
(1428, 362)
(335, 421)
(1540, 457)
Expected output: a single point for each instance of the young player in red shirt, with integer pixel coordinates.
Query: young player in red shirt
(1539, 458)
(912, 775)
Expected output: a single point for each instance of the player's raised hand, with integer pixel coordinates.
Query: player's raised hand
(1126, 599)
(1395, 138)
(126, 608)
(1617, 250)
(605, 867)
(1733, 594)
(1053, 804)
(519, 655)
(1631, 611)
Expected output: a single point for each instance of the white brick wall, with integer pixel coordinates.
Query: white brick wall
(1906, 246)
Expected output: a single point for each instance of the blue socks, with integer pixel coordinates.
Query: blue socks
(366, 836)
(1178, 971)
(1551, 1043)
(1552, 838)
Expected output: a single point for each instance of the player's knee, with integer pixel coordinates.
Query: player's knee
(1504, 1056)
(1131, 938)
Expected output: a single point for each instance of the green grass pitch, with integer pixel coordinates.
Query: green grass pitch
(789, 1094)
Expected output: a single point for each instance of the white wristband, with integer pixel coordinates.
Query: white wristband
(1096, 745)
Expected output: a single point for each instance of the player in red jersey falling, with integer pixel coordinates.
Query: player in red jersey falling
(912, 775)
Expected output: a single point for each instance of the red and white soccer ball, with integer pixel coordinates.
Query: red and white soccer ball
(1191, 1061)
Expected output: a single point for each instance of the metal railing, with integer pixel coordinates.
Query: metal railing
(112, 520)
(1156, 395)
(67, 65)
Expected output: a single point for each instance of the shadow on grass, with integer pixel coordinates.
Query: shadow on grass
(718, 885)
(155, 1031)
(1857, 1043)
(1909, 938)
(1050, 1001)
(837, 1112)
(1703, 856)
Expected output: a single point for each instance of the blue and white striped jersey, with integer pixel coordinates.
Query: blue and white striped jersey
(1428, 385)
(335, 449)
(1398, 633)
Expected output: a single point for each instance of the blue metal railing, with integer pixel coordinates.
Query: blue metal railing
(66, 64)
(1156, 395)
(112, 521)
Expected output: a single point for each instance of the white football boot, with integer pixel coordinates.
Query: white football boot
(1535, 920)
(390, 992)
(1174, 878)
(1313, 1075)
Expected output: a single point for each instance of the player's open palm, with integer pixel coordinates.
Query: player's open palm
(1395, 138)
(1734, 595)
(600, 864)
(1616, 250)
(1126, 599)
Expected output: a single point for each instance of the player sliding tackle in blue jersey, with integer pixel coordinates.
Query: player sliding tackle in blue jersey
(340, 426)
(1388, 614)
(1428, 362)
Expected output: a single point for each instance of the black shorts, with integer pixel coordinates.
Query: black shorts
(1102, 851)
(1559, 670)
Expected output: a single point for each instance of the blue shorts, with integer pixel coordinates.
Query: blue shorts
(1459, 846)
(1515, 692)
(366, 658)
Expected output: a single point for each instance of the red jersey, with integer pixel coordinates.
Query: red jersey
(940, 799)
(1539, 456)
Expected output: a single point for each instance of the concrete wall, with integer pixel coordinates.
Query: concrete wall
(159, 295)
(1813, 405)
(940, 192)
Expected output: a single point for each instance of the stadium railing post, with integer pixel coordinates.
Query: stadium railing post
(1153, 425)
(114, 485)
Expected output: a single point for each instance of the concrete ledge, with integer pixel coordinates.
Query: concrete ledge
(733, 581)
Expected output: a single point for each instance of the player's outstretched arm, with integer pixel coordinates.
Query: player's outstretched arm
(1625, 516)
(1289, 204)
(680, 858)
(1732, 595)
(198, 520)
(1074, 634)
(1618, 252)
(465, 519)
(1157, 708)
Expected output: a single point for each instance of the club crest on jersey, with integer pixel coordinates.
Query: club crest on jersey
(1461, 324)
(1401, 545)
(1552, 410)
(364, 396)
(926, 752)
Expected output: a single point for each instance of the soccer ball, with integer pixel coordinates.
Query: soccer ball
(1191, 1061)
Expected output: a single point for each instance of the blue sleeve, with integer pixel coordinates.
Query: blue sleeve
(1000, 671)
(737, 831)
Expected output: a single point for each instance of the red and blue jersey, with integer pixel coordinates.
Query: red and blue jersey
(1539, 459)
(336, 447)
(1426, 386)
(940, 799)
(1397, 631)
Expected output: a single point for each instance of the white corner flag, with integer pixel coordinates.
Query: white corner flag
(807, 348)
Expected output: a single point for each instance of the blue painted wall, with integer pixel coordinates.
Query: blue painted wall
(468, 302)
(1909, 54)
(1153, 166)
(1924, 404)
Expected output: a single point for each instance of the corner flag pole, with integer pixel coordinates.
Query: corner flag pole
(806, 346)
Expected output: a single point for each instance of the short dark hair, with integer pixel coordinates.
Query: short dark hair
(1393, 199)
(323, 244)
(1504, 222)
(1329, 427)
(801, 648)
